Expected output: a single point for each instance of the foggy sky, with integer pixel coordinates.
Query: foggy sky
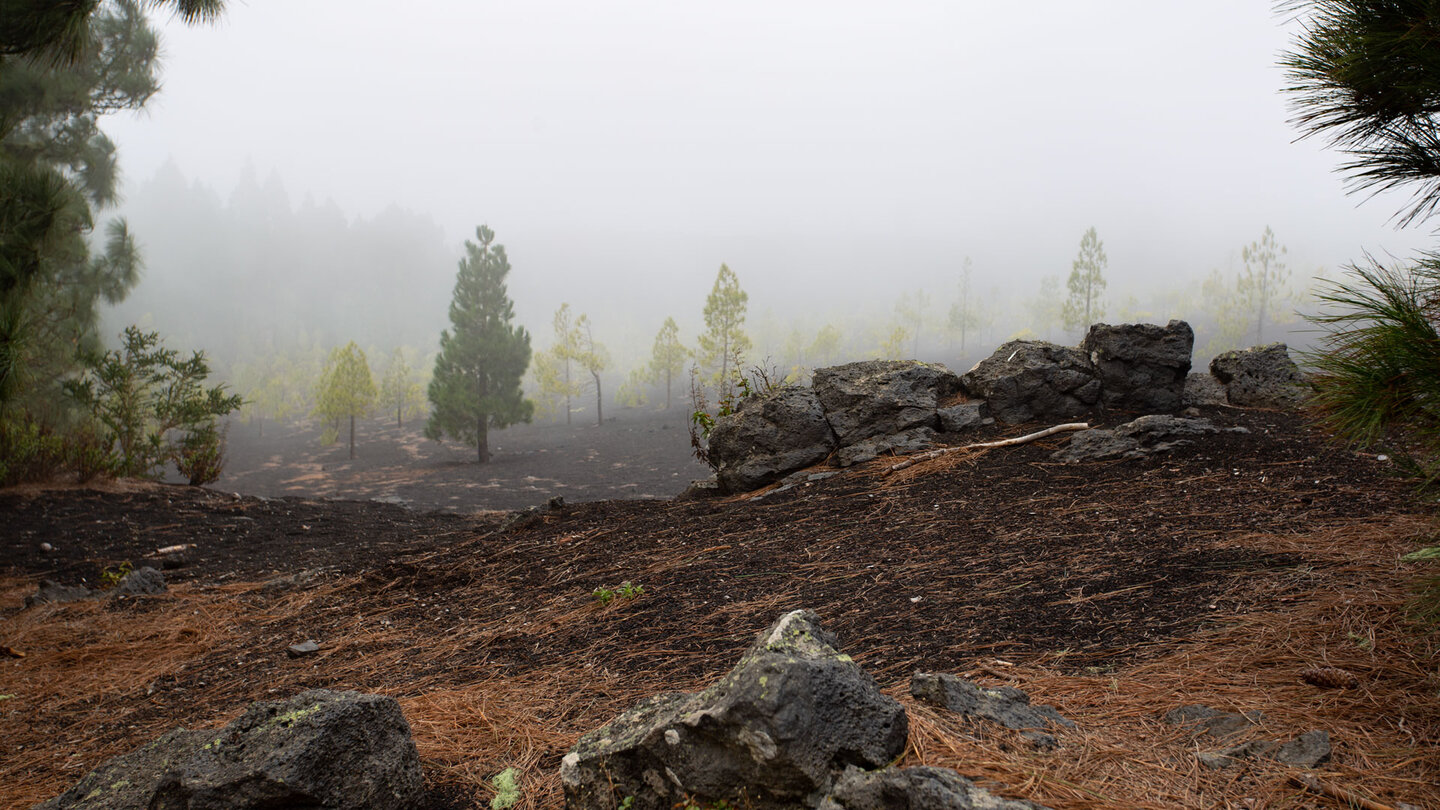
(832, 153)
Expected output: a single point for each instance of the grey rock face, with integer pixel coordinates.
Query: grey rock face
(775, 730)
(1201, 388)
(920, 788)
(1025, 380)
(1261, 377)
(1007, 705)
(882, 397)
(146, 581)
(317, 749)
(908, 441)
(768, 437)
(1142, 367)
(964, 416)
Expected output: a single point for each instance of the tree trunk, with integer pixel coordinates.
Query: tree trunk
(399, 408)
(667, 388)
(567, 392)
(352, 435)
(261, 422)
(482, 444)
(599, 408)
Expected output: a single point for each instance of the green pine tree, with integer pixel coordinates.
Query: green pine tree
(483, 355)
(1261, 288)
(667, 356)
(399, 390)
(724, 344)
(347, 388)
(63, 66)
(1087, 280)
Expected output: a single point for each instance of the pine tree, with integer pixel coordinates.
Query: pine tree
(347, 389)
(667, 357)
(399, 390)
(1087, 280)
(558, 380)
(483, 355)
(593, 358)
(1262, 285)
(724, 343)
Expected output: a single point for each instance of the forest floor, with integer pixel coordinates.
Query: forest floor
(1212, 574)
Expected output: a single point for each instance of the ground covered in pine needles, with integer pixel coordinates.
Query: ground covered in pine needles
(1116, 591)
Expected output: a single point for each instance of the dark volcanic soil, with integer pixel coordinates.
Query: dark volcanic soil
(637, 454)
(1093, 558)
(1001, 552)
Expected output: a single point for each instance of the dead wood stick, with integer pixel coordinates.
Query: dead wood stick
(1027, 438)
(1305, 780)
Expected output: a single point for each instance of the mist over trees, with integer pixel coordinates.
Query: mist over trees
(250, 272)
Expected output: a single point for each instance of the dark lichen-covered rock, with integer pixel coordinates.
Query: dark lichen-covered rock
(1152, 433)
(772, 733)
(908, 441)
(1141, 366)
(1030, 379)
(768, 437)
(1261, 377)
(882, 397)
(317, 749)
(1006, 705)
(919, 788)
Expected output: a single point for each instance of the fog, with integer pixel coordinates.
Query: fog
(835, 155)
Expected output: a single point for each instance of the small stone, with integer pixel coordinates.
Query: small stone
(1216, 760)
(146, 581)
(304, 648)
(1306, 751)
(46, 548)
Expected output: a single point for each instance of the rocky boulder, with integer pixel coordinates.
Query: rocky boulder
(1028, 379)
(1153, 433)
(882, 397)
(774, 732)
(1141, 367)
(919, 788)
(1006, 705)
(768, 437)
(317, 749)
(1261, 377)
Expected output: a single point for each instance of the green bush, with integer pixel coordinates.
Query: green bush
(152, 408)
(29, 451)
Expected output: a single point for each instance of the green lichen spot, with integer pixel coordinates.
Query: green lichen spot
(290, 718)
(215, 743)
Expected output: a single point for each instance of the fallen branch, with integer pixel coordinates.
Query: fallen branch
(1029, 437)
(1305, 780)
